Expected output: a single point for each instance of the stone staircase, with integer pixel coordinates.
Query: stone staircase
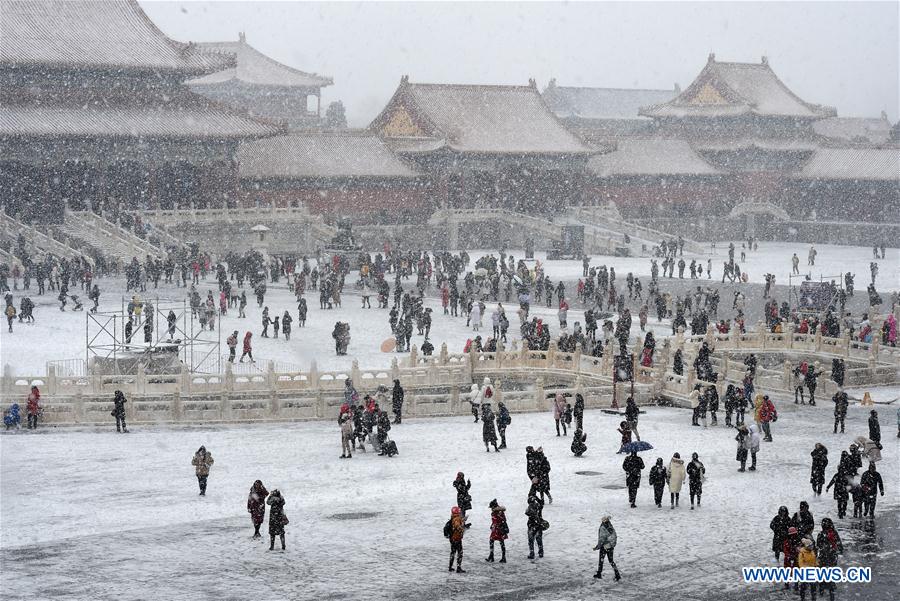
(643, 239)
(38, 242)
(105, 237)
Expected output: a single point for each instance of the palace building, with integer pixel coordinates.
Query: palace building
(94, 113)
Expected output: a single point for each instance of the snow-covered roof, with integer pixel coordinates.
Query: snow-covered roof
(569, 102)
(732, 89)
(128, 121)
(479, 119)
(854, 129)
(102, 34)
(320, 155)
(786, 144)
(853, 163)
(254, 67)
(650, 156)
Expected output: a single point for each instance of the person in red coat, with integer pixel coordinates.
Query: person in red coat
(248, 348)
(790, 547)
(499, 529)
(256, 506)
(33, 407)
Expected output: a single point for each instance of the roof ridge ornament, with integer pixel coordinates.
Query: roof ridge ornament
(711, 58)
(242, 37)
(765, 59)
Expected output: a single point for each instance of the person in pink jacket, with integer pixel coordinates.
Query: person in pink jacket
(559, 410)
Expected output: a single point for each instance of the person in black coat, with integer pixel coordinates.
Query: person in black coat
(397, 401)
(841, 491)
(578, 442)
(874, 428)
(695, 471)
(811, 380)
(779, 526)
(463, 498)
(803, 521)
(658, 479)
(871, 483)
(633, 466)
(503, 420)
(578, 412)
(543, 475)
(841, 401)
(277, 519)
(819, 463)
(488, 431)
(632, 414)
(383, 425)
(118, 411)
(837, 371)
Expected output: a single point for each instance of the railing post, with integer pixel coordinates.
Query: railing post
(395, 369)
(312, 379)
(78, 406)
(413, 356)
(551, 354)
(444, 356)
(229, 377)
(52, 387)
(185, 381)
(355, 376)
(789, 332)
(576, 358)
(539, 394)
(140, 379)
(271, 378)
(761, 334)
(818, 340)
(177, 407)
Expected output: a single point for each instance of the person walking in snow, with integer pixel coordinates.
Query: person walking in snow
(695, 471)
(632, 414)
(499, 530)
(248, 348)
(606, 544)
(118, 411)
(277, 518)
(819, 463)
(841, 485)
(675, 478)
(578, 446)
(633, 466)
(397, 395)
(828, 547)
(475, 400)
(346, 423)
(455, 529)
(658, 477)
(841, 402)
(202, 461)
(463, 497)
(488, 430)
(559, 409)
(779, 527)
(874, 429)
(503, 421)
(535, 524)
(871, 483)
(286, 321)
(256, 506)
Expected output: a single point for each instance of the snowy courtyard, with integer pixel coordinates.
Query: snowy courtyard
(88, 514)
(59, 335)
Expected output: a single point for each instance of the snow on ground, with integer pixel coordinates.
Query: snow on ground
(60, 335)
(89, 514)
(772, 257)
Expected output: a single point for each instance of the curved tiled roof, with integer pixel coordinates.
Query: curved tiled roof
(101, 34)
(650, 156)
(320, 155)
(485, 119)
(732, 89)
(569, 102)
(853, 163)
(254, 67)
(136, 122)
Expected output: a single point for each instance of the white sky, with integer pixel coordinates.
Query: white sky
(843, 54)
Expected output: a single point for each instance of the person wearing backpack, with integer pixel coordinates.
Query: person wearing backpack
(499, 530)
(455, 529)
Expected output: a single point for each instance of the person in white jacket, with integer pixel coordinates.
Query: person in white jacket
(475, 400)
(676, 474)
(475, 317)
